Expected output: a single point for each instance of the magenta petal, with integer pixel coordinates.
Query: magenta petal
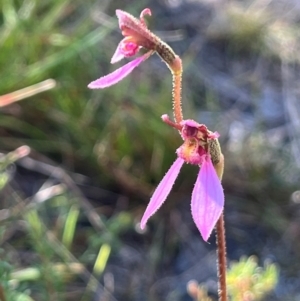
(162, 191)
(123, 17)
(117, 75)
(145, 12)
(118, 55)
(207, 199)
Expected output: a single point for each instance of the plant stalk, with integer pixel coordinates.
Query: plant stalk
(221, 253)
(176, 93)
(221, 243)
(2, 295)
(174, 63)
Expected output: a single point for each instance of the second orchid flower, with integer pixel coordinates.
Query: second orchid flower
(136, 35)
(201, 148)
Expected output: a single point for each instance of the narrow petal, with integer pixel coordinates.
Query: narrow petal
(117, 75)
(124, 17)
(207, 199)
(118, 55)
(162, 191)
(145, 12)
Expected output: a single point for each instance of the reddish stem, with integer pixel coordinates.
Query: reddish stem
(221, 253)
(177, 98)
(221, 242)
(176, 93)
(165, 118)
(175, 66)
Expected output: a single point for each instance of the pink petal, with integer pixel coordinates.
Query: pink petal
(145, 12)
(118, 55)
(123, 17)
(190, 122)
(207, 199)
(117, 75)
(213, 135)
(162, 191)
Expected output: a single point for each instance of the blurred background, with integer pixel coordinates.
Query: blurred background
(70, 209)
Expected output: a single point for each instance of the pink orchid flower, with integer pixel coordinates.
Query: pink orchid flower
(207, 196)
(136, 35)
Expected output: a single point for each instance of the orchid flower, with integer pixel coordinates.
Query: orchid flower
(207, 196)
(136, 36)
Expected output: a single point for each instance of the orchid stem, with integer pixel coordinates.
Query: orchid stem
(176, 93)
(221, 253)
(176, 68)
(221, 243)
(174, 63)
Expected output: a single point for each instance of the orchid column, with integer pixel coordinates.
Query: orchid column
(200, 146)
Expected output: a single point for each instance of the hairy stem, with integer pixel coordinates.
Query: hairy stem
(176, 93)
(221, 243)
(174, 63)
(221, 252)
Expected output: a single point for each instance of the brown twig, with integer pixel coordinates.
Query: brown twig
(2, 295)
